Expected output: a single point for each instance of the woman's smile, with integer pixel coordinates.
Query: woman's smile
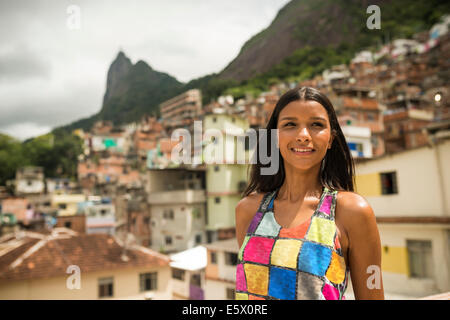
(301, 152)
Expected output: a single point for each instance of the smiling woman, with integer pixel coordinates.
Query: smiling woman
(302, 230)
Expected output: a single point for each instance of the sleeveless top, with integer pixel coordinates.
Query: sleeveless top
(299, 263)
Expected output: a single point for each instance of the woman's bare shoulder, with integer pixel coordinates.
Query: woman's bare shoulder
(247, 206)
(353, 209)
(351, 201)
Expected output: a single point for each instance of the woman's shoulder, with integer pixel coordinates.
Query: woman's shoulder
(247, 206)
(352, 208)
(351, 200)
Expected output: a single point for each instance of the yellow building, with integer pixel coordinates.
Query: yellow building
(67, 204)
(65, 265)
(409, 192)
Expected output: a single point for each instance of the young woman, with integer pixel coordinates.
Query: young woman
(303, 231)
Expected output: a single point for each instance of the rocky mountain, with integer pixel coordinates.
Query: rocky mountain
(300, 23)
(117, 72)
(135, 90)
(132, 90)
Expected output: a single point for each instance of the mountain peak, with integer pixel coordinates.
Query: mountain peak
(142, 63)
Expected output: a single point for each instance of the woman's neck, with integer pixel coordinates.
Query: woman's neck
(299, 184)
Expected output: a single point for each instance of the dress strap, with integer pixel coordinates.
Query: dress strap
(333, 195)
(267, 199)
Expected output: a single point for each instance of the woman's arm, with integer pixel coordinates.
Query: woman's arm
(364, 248)
(244, 211)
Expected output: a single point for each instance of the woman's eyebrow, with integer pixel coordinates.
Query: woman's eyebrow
(294, 118)
(288, 118)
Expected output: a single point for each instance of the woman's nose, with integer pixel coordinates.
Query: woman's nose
(303, 134)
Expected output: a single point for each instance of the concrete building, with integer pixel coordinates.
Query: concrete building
(188, 274)
(132, 214)
(100, 216)
(182, 110)
(404, 128)
(64, 265)
(225, 179)
(220, 273)
(59, 185)
(356, 106)
(177, 206)
(30, 180)
(409, 192)
(358, 140)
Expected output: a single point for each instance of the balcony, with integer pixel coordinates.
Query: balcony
(177, 196)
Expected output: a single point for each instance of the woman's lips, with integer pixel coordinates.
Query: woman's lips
(299, 153)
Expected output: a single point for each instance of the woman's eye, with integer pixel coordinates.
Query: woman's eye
(289, 123)
(318, 123)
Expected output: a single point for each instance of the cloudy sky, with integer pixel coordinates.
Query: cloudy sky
(53, 65)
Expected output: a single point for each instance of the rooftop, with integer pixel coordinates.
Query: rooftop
(32, 255)
(191, 259)
(229, 245)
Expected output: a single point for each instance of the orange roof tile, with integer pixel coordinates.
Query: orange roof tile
(50, 255)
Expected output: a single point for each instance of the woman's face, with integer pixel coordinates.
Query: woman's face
(304, 126)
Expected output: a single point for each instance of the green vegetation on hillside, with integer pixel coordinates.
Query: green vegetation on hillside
(399, 19)
(57, 153)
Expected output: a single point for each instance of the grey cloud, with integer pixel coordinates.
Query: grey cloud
(20, 63)
(50, 75)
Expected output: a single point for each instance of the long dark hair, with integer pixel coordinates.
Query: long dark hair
(337, 170)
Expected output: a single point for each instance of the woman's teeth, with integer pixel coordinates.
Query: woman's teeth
(302, 150)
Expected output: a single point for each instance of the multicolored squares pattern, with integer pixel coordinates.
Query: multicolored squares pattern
(303, 262)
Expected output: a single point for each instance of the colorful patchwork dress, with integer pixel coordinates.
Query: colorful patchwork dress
(299, 263)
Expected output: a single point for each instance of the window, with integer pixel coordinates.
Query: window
(148, 281)
(388, 183)
(178, 274)
(29, 183)
(214, 119)
(103, 212)
(213, 257)
(168, 240)
(196, 213)
(62, 206)
(216, 168)
(198, 238)
(231, 258)
(374, 141)
(146, 220)
(68, 224)
(217, 199)
(168, 214)
(195, 280)
(230, 293)
(247, 143)
(105, 287)
(420, 258)
(370, 117)
(356, 147)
